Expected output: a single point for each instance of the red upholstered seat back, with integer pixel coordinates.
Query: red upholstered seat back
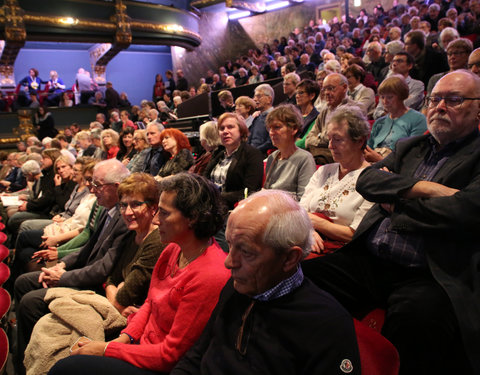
(377, 355)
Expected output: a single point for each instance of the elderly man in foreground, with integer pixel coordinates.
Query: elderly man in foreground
(416, 251)
(270, 319)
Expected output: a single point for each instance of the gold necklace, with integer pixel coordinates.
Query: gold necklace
(188, 261)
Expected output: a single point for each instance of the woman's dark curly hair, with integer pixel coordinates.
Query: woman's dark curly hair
(198, 199)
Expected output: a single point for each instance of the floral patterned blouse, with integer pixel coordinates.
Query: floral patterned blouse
(335, 198)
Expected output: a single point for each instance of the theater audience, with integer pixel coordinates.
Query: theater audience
(42, 199)
(335, 88)
(403, 251)
(110, 139)
(458, 52)
(192, 262)
(402, 64)
(44, 123)
(225, 99)
(290, 82)
(363, 96)
(237, 167)
(334, 206)
(126, 148)
(289, 168)
(399, 122)
(245, 107)
(87, 268)
(427, 61)
(258, 136)
(127, 286)
(178, 148)
(474, 62)
(48, 234)
(85, 145)
(154, 158)
(210, 141)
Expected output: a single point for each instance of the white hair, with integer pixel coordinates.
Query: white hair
(116, 171)
(31, 167)
(289, 224)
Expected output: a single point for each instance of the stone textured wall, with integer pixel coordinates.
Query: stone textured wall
(223, 39)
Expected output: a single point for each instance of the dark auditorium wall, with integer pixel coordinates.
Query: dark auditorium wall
(221, 39)
(132, 72)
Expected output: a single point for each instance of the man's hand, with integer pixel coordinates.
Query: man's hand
(50, 276)
(429, 189)
(49, 241)
(23, 207)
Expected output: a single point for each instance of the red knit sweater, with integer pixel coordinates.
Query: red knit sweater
(176, 310)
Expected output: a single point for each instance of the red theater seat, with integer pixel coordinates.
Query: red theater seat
(5, 302)
(378, 356)
(4, 252)
(3, 349)
(3, 237)
(4, 273)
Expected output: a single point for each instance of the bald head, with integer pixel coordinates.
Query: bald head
(267, 250)
(474, 62)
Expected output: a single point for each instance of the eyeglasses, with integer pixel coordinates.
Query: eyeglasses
(98, 185)
(301, 92)
(134, 205)
(456, 53)
(329, 88)
(475, 64)
(398, 61)
(450, 101)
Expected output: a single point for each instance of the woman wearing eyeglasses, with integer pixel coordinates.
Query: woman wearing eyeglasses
(127, 285)
(399, 122)
(184, 289)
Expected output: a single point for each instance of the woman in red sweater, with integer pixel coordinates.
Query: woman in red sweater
(184, 289)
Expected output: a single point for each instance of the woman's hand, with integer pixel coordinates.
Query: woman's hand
(91, 348)
(49, 241)
(317, 246)
(129, 310)
(58, 219)
(48, 255)
(371, 155)
(57, 180)
(126, 161)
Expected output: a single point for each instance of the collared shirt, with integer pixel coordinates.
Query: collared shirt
(283, 287)
(408, 248)
(219, 173)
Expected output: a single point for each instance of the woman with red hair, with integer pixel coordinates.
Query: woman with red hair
(177, 145)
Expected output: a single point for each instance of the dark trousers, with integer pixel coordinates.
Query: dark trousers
(419, 320)
(27, 243)
(30, 307)
(93, 365)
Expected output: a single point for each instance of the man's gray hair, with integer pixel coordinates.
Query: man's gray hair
(294, 77)
(358, 127)
(31, 167)
(265, 89)
(289, 225)
(394, 47)
(116, 170)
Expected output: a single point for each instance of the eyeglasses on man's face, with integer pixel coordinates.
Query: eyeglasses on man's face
(450, 101)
